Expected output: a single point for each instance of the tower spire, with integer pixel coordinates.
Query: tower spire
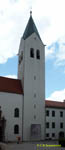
(30, 28)
(30, 13)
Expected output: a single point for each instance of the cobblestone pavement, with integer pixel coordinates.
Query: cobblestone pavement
(46, 145)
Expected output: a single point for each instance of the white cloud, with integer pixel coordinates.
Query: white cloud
(57, 95)
(50, 52)
(11, 76)
(54, 18)
(49, 18)
(57, 52)
(60, 54)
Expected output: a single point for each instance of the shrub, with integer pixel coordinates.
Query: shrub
(62, 142)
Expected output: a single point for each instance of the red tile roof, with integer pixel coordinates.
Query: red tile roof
(10, 85)
(14, 86)
(54, 104)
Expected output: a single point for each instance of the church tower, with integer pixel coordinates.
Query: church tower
(31, 72)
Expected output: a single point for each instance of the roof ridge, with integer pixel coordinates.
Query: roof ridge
(9, 78)
(54, 101)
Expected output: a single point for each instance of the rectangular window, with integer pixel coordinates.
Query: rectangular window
(47, 112)
(53, 124)
(53, 134)
(47, 134)
(47, 124)
(53, 113)
(61, 125)
(61, 113)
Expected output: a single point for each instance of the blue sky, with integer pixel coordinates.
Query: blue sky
(50, 22)
(10, 67)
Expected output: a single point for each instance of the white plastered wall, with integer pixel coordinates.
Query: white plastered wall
(34, 67)
(8, 102)
(57, 119)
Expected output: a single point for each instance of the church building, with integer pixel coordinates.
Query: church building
(24, 112)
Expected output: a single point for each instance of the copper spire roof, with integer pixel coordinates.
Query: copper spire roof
(30, 28)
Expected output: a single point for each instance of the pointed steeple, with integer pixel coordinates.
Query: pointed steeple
(30, 28)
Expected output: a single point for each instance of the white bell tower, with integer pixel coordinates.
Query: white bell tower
(31, 72)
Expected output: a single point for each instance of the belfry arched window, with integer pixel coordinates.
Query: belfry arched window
(38, 54)
(16, 112)
(32, 52)
(16, 129)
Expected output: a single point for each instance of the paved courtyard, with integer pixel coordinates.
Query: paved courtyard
(46, 145)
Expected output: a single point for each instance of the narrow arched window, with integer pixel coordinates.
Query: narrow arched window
(16, 129)
(38, 54)
(16, 112)
(21, 55)
(32, 52)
